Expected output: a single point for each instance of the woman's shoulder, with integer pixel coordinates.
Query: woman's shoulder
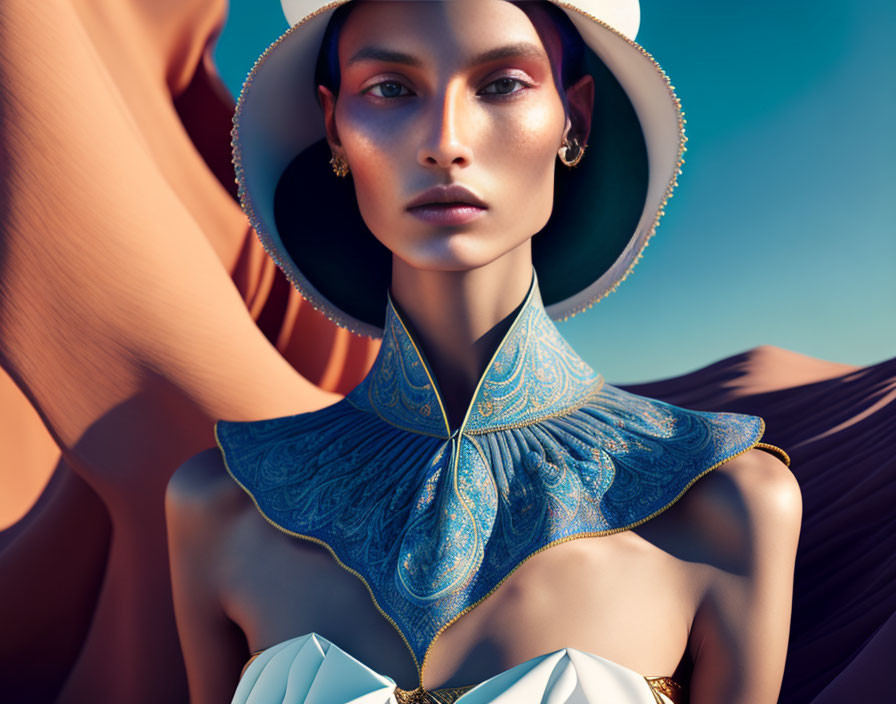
(754, 487)
(745, 518)
(201, 495)
(744, 512)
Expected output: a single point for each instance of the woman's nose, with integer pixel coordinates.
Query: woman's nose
(446, 142)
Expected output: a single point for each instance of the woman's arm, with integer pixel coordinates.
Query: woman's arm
(749, 512)
(198, 504)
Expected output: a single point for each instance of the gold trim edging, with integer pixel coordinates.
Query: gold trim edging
(443, 695)
(589, 534)
(319, 542)
(775, 450)
(666, 686)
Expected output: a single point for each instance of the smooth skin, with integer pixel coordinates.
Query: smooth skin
(703, 589)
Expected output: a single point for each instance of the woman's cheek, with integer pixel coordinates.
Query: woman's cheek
(369, 136)
(524, 142)
(528, 152)
(376, 198)
(371, 159)
(539, 133)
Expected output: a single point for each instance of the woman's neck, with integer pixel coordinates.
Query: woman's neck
(460, 317)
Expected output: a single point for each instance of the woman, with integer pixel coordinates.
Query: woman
(519, 524)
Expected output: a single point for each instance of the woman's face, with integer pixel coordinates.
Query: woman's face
(447, 93)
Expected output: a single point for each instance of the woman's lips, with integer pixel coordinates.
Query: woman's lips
(447, 213)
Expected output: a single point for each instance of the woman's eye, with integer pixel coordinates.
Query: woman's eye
(504, 86)
(394, 89)
(388, 89)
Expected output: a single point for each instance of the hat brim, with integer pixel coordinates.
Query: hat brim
(605, 210)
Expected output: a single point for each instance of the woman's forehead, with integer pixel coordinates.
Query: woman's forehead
(428, 29)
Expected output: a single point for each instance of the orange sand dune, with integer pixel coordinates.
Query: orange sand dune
(136, 307)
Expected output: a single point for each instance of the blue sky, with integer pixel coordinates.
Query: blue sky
(781, 230)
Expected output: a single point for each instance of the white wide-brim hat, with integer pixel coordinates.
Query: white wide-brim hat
(605, 210)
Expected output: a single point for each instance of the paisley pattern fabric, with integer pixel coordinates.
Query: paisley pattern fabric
(312, 670)
(534, 374)
(433, 519)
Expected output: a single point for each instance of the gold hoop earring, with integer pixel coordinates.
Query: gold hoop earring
(339, 165)
(573, 152)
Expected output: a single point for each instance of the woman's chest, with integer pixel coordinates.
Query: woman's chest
(617, 596)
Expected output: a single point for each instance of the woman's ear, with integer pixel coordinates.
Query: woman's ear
(580, 99)
(328, 103)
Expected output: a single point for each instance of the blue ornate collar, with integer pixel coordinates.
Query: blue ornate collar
(534, 374)
(433, 521)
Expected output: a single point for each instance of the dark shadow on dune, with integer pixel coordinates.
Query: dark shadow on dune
(90, 556)
(52, 563)
(840, 433)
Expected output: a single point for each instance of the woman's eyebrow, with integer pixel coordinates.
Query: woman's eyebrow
(525, 50)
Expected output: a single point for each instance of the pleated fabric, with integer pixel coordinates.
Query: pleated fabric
(312, 670)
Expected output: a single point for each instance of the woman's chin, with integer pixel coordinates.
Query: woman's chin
(461, 251)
